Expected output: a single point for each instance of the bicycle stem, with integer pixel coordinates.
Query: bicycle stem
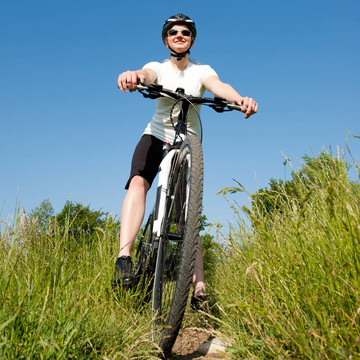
(180, 127)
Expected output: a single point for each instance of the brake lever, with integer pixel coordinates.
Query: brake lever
(153, 90)
(218, 108)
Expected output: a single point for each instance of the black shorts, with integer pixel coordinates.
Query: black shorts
(146, 159)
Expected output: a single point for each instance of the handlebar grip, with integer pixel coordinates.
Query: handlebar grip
(141, 86)
(234, 106)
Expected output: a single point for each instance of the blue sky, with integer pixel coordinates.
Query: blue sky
(68, 133)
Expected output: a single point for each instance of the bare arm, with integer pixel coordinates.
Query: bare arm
(128, 80)
(226, 91)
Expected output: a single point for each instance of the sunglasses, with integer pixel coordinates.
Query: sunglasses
(173, 32)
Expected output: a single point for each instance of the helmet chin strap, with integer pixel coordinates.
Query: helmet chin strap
(179, 56)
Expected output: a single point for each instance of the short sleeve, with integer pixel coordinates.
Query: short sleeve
(155, 66)
(206, 72)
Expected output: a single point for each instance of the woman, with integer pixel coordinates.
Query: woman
(178, 34)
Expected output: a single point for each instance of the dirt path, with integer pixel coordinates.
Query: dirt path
(194, 343)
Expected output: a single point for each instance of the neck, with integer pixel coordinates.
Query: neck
(181, 64)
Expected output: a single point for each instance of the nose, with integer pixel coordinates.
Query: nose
(179, 36)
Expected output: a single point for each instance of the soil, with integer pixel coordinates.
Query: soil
(190, 345)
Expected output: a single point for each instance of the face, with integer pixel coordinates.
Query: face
(178, 42)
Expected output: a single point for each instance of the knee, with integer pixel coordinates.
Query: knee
(139, 183)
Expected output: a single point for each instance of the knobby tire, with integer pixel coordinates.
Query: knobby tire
(178, 243)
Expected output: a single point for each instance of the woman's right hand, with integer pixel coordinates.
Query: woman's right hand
(128, 80)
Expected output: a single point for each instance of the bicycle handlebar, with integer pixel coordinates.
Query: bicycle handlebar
(154, 91)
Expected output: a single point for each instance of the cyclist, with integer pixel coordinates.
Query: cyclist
(178, 35)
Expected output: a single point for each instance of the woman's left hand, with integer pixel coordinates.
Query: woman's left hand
(249, 106)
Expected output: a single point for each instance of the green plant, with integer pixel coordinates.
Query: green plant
(57, 302)
(290, 287)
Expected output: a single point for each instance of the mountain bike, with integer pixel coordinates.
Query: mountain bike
(165, 255)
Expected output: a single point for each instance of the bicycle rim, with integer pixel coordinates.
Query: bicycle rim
(178, 244)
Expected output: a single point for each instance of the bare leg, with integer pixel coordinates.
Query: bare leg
(132, 213)
(198, 277)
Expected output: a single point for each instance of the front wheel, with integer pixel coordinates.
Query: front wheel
(178, 243)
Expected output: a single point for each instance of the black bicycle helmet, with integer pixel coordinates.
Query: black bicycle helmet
(179, 19)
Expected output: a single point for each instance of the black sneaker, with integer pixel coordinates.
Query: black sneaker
(124, 274)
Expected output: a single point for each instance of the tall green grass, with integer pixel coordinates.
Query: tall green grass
(289, 287)
(57, 302)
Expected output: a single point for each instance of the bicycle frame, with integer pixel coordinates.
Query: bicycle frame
(165, 173)
(162, 190)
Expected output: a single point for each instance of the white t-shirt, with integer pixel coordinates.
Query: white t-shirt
(192, 80)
